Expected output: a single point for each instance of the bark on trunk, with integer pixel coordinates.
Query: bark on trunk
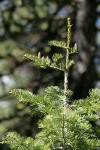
(81, 78)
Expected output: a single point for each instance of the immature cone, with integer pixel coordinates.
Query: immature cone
(39, 55)
(75, 46)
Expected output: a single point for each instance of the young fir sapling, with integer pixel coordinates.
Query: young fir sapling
(65, 123)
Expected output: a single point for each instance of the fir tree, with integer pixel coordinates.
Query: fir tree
(65, 123)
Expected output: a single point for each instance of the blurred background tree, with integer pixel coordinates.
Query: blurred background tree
(26, 26)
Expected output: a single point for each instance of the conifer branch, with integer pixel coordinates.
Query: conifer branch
(73, 49)
(65, 123)
(39, 61)
(46, 62)
(57, 44)
(68, 32)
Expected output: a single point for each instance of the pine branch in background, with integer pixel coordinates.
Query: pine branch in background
(65, 123)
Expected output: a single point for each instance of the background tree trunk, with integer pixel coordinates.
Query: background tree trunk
(81, 75)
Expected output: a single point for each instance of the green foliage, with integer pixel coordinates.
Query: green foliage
(46, 62)
(58, 44)
(65, 123)
(19, 143)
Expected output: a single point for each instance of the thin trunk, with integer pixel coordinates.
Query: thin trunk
(65, 101)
